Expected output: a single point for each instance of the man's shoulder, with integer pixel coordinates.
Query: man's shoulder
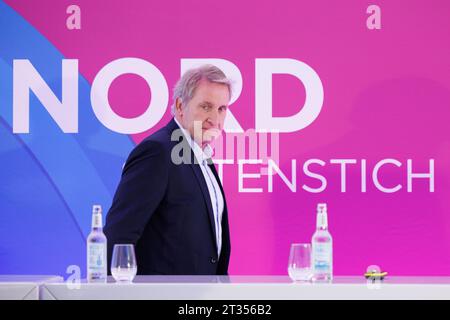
(160, 137)
(160, 140)
(153, 147)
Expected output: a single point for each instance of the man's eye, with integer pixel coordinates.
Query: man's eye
(206, 107)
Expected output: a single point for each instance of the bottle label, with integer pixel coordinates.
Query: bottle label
(322, 257)
(96, 260)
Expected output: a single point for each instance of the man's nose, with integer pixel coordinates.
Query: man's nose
(213, 119)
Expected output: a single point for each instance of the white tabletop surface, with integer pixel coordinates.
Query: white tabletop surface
(252, 288)
(23, 287)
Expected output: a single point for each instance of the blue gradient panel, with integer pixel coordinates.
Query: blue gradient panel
(49, 180)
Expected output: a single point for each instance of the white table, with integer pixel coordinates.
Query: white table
(253, 288)
(23, 287)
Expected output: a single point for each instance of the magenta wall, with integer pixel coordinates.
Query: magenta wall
(386, 96)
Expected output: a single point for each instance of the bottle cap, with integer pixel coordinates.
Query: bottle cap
(322, 218)
(97, 209)
(97, 216)
(322, 207)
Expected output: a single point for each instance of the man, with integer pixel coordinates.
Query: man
(170, 202)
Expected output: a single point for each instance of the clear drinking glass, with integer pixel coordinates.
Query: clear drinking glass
(123, 263)
(299, 268)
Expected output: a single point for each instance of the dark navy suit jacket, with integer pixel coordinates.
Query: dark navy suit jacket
(165, 210)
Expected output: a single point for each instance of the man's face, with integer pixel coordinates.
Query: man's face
(205, 114)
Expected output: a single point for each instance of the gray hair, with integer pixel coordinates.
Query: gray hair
(188, 83)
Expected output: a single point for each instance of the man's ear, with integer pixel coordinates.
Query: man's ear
(179, 106)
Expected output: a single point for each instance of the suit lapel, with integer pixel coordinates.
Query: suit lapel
(225, 227)
(204, 187)
(216, 175)
(172, 125)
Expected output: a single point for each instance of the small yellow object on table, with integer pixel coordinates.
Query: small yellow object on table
(375, 275)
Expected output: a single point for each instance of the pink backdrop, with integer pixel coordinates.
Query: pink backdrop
(386, 95)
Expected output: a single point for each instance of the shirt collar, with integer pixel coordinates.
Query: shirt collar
(200, 154)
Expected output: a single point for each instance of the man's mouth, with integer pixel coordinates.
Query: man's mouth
(210, 133)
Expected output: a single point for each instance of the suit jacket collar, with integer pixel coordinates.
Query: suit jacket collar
(172, 126)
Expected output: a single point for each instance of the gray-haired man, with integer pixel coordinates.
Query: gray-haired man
(175, 213)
